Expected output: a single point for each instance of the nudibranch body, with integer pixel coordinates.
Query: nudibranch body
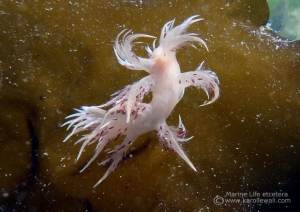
(128, 115)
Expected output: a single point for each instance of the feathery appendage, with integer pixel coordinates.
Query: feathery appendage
(129, 98)
(101, 131)
(105, 126)
(202, 78)
(126, 57)
(171, 138)
(172, 38)
(119, 152)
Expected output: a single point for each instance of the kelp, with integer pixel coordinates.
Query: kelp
(58, 55)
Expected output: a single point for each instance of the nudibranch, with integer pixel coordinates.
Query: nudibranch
(127, 115)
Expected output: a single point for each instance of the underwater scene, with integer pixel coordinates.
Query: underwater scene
(149, 105)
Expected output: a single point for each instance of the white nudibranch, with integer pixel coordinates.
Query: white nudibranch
(127, 115)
